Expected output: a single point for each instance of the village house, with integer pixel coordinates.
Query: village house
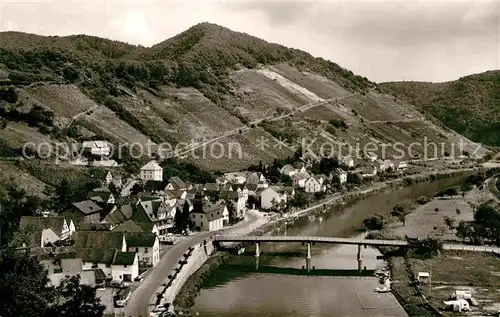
(236, 177)
(97, 148)
(347, 161)
(401, 165)
(221, 180)
(106, 178)
(176, 184)
(384, 165)
(206, 216)
(340, 176)
(299, 179)
(312, 185)
(119, 215)
(272, 197)
(236, 200)
(101, 195)
(288, 170)
(87, 211)
(125, 266)
(255, 178)
(146, 245)
(46, 230)
(368, 171)
(151, 171)
(107, 251)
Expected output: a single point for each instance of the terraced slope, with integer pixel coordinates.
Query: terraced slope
(200, 91)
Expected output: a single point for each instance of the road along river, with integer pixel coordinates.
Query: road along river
(280, 288)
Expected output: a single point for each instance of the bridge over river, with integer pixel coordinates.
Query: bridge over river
(311, 240)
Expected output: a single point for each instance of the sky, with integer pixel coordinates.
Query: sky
(381, 40)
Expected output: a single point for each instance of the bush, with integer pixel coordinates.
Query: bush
(376, 222)
(422, 200)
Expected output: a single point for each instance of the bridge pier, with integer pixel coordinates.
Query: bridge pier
(257, 255)
(360, 259)
(308, 257)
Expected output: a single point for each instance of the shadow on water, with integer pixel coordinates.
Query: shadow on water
(295, 271)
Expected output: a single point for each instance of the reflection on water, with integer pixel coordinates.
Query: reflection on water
(236, 289)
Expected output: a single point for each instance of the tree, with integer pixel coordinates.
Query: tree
(429, 247)
(186, 220)
(76, 300)
(376, 222)
(464, 230)
(449, 222)
(26, 291)
(233, 217)
(452, 191)
(64, 194)
(354, 178)
(400, 213)
(178, 221)
(23, 282)
(299, 200)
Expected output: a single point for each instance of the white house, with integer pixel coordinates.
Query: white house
(384, 165)
(288, 170)
(402, 165)
(236, 200)
(236, 177)
(272, 196)
(347, 161)
(211, 217)
(299, 179)
(341, 175)
(98, 148)
(151, 171)
(146, 245)
(125, 267)
(312, 185)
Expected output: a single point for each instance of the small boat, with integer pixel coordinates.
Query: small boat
(241, 251)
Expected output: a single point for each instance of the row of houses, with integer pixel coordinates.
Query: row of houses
(117, 253)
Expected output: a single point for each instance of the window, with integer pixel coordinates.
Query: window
(136, 249)
(125, 266)
(145, 250)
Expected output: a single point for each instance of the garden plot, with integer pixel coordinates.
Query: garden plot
(319, 85)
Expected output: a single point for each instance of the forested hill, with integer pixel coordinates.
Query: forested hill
(469, 105)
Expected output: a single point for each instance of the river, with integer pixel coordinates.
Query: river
(279, 288)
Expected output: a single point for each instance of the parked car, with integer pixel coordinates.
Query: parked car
(139, 278)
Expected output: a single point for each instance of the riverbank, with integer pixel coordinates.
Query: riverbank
(185, 297)
(478, 273)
